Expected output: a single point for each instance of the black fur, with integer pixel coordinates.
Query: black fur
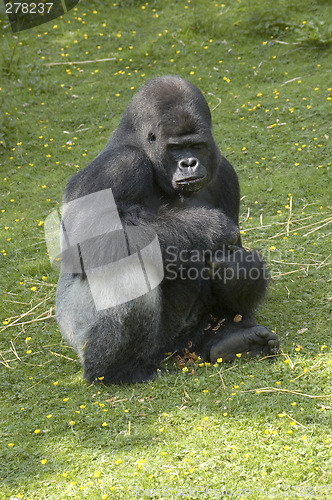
(168, 177)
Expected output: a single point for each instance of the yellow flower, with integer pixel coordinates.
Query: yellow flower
(43, 461)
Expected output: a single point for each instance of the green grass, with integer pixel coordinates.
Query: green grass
(265, 69)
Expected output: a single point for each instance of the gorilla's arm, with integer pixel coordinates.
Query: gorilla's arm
(142, 203)
(239, 277)
(195, 228)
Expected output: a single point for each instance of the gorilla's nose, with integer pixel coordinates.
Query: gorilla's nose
(188, 162)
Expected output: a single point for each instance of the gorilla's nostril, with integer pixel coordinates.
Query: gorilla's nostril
(189, 162)
(193, 162)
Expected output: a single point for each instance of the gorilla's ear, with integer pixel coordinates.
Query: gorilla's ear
(151, 137)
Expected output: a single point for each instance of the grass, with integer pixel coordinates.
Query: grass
(265, 69)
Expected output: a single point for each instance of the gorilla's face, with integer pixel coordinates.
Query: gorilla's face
(186, 157)
(183, 155)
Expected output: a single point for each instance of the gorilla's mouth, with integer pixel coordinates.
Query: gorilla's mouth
(190, 180)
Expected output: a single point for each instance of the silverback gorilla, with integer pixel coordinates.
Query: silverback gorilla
(165, 177)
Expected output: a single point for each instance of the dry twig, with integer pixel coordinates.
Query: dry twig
(287, 391)
(80, 62)
(14, 323)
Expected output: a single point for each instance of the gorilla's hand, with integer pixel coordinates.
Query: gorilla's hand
(229, 257)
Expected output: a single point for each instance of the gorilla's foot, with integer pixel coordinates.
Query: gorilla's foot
(253, 341)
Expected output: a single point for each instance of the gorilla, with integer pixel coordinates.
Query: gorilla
(151, 247)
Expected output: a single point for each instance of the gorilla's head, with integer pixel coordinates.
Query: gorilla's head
(170, 119)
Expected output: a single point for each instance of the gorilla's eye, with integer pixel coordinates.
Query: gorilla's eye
(197, 146)
(151, 137)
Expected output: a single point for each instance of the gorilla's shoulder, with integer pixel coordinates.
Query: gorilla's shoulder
(116, 167)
